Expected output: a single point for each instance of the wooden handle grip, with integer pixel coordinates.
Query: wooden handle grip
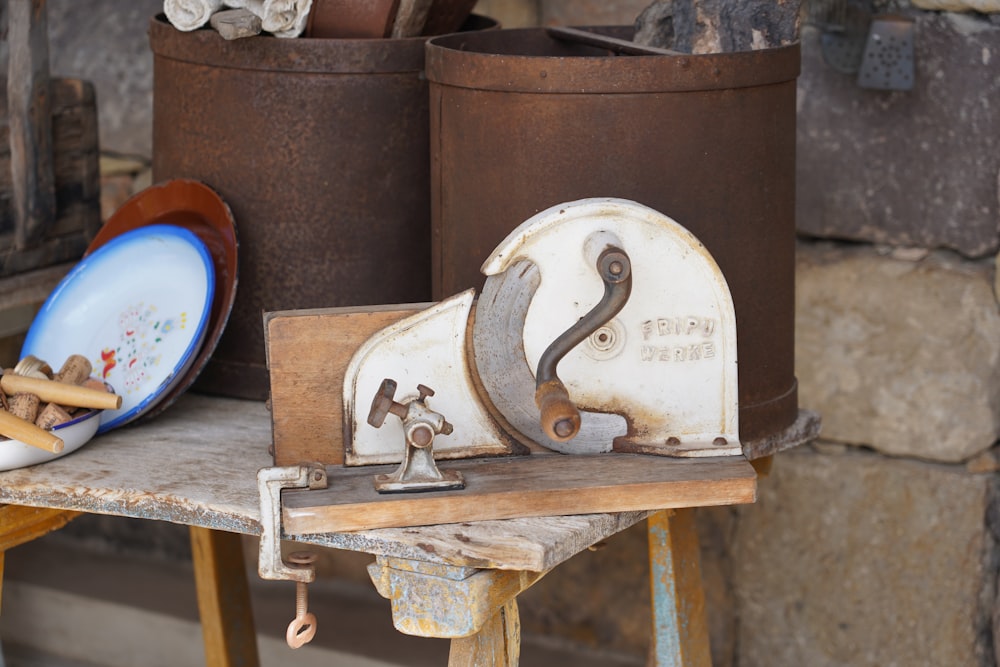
(59, 392)
(16, 428)
(559, 417)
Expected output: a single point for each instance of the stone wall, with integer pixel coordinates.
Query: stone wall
(878, 544)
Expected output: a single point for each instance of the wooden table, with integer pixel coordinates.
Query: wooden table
(196, 465)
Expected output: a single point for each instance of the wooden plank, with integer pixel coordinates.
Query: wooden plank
(19, 524)
(76, 167)
(534, 544)
(223, 599)
(307, 355)
(680, 624)
(31, 289)
(522, 487)
(196, 464)
(30, 120)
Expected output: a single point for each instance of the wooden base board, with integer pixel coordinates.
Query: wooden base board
(307, 355)
(516, 487)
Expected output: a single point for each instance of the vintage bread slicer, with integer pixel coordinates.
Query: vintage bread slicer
(603, 325)
(605, 333)
(604, 328)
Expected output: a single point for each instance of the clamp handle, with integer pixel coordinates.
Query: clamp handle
(384, 403)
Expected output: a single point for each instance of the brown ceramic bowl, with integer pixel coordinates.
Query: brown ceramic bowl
(197, 208)
(447, 16)
(351, 19)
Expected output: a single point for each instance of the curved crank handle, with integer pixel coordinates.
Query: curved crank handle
(560, 418)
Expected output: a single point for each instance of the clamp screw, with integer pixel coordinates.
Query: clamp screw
(303, 627)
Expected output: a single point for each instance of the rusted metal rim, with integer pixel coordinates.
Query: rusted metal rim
(804, 429)
(528, 60)
(299, 56)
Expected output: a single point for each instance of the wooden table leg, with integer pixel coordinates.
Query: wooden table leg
(497, 644)
(680, 626)
(475, 608)
(223, 599)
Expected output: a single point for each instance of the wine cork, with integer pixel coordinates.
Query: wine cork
(15, 428)
(94, 383)
(76, 369)
(24, 406)
(52, 415)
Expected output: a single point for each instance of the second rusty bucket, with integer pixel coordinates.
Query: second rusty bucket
(521, 121)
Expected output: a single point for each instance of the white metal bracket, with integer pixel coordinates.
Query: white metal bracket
(270, 482)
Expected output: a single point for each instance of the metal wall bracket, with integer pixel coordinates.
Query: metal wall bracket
(270, 482)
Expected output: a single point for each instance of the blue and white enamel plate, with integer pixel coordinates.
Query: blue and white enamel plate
(137, 308)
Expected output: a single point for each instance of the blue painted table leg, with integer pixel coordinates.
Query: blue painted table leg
(680, 627)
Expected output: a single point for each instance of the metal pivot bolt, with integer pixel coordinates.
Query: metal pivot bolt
(303, 627)
(418, 471)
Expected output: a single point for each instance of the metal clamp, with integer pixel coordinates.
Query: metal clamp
(270, 565)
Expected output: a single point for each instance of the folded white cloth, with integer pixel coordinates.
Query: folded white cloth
(190, 15)
(282, 18)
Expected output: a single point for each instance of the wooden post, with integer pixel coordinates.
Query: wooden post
(497, 644)
(223, 599)
(20, 524)
(680, 627)
(28, 102)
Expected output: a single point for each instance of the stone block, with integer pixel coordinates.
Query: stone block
(983, 6)
(510, 13)
(899, 355)
(597, 599)
(863, 560)
(600, 600)
(910, 168)
(591, 12)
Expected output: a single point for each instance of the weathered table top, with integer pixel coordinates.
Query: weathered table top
(196, 464)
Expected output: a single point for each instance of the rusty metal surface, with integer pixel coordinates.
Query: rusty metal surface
(447, 16)
(320, 147)
(521, 122)
(350, 19)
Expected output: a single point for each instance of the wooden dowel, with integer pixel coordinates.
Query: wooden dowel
(51, 391)
(17, 429)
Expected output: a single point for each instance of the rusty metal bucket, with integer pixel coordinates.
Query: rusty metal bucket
(521, 122)
(320, 147)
